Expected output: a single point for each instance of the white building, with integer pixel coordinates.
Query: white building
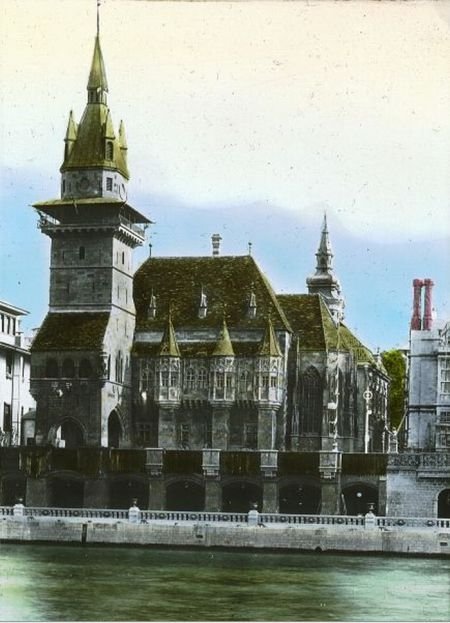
(15, 398)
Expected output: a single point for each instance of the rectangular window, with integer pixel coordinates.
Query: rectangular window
(3, 323)
(219, 380)
(251, 436)
(9, 364)
(273, 382)
(7, 418)
(444, 375)
(109, 183)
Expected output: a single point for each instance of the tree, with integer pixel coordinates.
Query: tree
(395, 364)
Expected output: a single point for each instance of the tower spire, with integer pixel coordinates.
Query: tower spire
(98, 17)
(324, 253)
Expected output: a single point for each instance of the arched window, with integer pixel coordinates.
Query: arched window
(311, 399)
(51, 369)
(85, 370)
(82, 253)
(109, 150)
(68, 369)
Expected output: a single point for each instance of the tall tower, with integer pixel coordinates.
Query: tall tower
(81, 376)
(324, 281)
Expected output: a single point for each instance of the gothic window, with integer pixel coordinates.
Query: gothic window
(164, 378)
(68, 368)
(444, 375)
(202, 378)
(119, 368)
(51, 369)
(109, 150)
(220, 378)
(82, 253)
(190, 379)
(109, 183)
(310, 401)
(85, 369)
(174, 378)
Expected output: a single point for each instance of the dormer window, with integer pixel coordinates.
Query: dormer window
(203, 306)
(252, 306)
(152, 306)
(109, 152)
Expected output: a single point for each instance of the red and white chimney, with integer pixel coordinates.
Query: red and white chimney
(428, 309)
(416, 321)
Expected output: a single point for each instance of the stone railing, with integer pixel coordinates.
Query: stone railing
(266, 519)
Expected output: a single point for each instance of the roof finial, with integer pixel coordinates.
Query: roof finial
(98, 17)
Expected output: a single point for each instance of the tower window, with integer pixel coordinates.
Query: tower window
(123, 257)
(109, 182)
(109, 150)
(82, 253)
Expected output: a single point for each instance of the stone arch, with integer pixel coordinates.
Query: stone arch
(51, 368)
(185, 494)
(115, 430)
(443, 504)
(68, 368)
(359, 497)
(70, 431)
(66, 490)
(311, 400)
(85, 370)
(301, 496)
(239, 496)
(124, 489)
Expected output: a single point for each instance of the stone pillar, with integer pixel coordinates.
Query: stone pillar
(156, 486)
(330, 467)
(382, 495)
(266, 427)
(37, 493)
(269, 471)
(211, 472)
(220, 426)
(96, 493)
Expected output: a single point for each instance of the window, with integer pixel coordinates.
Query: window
(51, 369)
(250, 436)
(265, 381)
(68, 368)
(109, 182)
(174, 379)
(184, 435)
(444, 369)
(220, 377)
(85, 370)
(23, 368)
(202, 378)
(9, 364)
(3, 323)
(273, 382)
(64, 186)
(123, 257)
(82, 253)
(165, 378)
(7, 418)
(109, 150)
(310, 401)
(190, 379)
(229, 382)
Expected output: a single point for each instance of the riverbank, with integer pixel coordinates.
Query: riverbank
(194, 534)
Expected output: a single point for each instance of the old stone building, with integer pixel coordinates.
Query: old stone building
(419, 477)
(190, 384)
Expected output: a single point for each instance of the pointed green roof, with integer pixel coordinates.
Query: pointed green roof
(224, 347)
(72, 128)
(169, 346)
(269, 344)
(97, 75)
(122, 136)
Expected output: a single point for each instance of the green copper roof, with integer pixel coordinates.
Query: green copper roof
(224, 347)
(269, 344)
(97, 75)
(71, 331)
(169, 346)
(226, 281)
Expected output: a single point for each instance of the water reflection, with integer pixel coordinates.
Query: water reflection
(41, 583)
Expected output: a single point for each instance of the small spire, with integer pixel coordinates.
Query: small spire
(109, 128)
(72, 128)
(97, 82)
(324, 253)
(169, 346)
(122, 137)
(98, 17)
(224, 347)
(269, 344)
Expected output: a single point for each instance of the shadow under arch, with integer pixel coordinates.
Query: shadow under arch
(185, 495)
(66, 490)
(359, 497)
(241, 496)
(124, 489)
(115, 430)
(300, 498)
(443, 506)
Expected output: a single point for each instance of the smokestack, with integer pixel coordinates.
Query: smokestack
(215, 239)
(416, 323)
(428, 311)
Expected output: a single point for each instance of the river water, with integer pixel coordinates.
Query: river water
(67, 583)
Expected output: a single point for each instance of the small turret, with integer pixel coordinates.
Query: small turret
(169, 345)
(224, 347)
(71, 135)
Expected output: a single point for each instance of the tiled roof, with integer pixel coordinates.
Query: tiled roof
(71, 331)
(226, 281)
(196, 349)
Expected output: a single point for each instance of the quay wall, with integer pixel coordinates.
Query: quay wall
(196, 535)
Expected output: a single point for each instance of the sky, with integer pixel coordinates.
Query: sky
(250, 119)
